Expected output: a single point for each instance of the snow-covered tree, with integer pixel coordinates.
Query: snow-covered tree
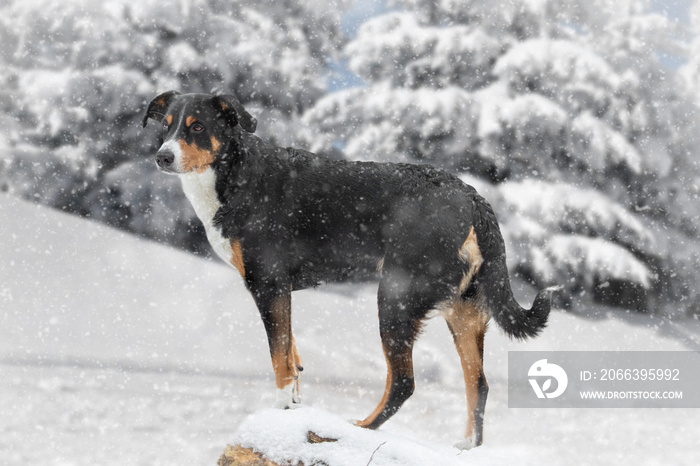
(78, 74)
(572, 94)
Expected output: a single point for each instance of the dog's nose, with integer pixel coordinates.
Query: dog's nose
(165, 159)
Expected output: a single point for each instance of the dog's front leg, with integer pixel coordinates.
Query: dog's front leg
(276, 313)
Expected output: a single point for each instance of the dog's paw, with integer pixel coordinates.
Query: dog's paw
(359, 423)
(284, 397)
(466, 443)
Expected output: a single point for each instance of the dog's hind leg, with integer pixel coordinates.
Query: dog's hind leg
(400, 315)
(276, 313)
(399, 382)
(468, 326)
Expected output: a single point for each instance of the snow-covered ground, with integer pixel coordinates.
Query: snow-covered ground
(115, 350)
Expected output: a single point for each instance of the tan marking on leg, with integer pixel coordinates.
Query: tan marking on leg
(237, 257)
(281, 346)
(190, 120)
(468, 326)
(284, 374)
(195, 158)
(380, 407)
(402, 365)
(295, 355)
(469, 253)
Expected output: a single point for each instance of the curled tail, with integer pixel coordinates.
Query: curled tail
(492, 278)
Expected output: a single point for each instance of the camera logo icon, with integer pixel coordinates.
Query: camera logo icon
(546, 372)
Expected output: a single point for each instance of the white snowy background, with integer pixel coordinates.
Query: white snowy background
(577, 120)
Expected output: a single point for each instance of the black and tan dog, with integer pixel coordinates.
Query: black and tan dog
(288, 220)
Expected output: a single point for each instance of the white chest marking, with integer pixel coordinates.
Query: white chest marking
(200, 190)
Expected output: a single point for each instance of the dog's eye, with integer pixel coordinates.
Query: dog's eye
(165, 126)
(197, 128)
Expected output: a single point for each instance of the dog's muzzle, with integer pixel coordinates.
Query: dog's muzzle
(165, 160)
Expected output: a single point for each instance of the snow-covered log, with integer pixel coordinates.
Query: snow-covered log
(307, 436)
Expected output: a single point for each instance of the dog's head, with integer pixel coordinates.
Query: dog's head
(194, 126)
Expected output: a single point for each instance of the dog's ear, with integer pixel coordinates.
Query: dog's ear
(234, 112)
(158, 106)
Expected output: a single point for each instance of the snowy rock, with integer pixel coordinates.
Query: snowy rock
(308, 436)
